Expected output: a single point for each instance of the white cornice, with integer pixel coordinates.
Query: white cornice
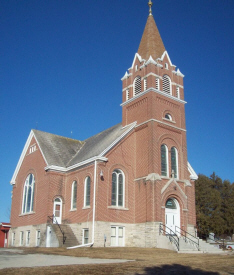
(100, 157)
(166, 54)
(118, 139)
(155, 91)
(161, 122)
(67, 169)
(135, 57)
(29, 139)
(193, 175)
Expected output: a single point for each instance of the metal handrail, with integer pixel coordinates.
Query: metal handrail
(172, 235)
(186, 237)
(53, 218)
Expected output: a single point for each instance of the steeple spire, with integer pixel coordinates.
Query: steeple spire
(151, 42)
(150, 4)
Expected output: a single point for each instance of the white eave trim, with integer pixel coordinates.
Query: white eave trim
(193, 174)
(163, 55)
(96, 158)
(31, 135)
(118, 139)
(135, 57)
(156, 91)
(66, 169)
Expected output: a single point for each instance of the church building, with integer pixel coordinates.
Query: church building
(122, 187)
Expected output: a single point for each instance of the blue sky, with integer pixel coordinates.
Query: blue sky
(62, 61)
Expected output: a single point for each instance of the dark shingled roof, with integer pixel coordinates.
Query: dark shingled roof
(56, 149)
(65, 152)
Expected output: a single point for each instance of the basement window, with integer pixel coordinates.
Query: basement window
(85, 236)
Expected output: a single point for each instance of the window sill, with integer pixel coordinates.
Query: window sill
(118, 208)
(73, 209)
(168, 120)
(25, 214)
(86, 207)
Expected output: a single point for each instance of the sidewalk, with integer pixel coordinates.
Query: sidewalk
(13, 258)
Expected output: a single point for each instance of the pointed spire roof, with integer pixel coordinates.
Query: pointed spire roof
(151, 42)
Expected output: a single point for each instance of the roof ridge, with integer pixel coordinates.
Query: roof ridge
(34, 130)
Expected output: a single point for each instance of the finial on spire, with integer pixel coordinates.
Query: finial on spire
(150, 4)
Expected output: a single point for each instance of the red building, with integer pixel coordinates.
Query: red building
(4, 229)
(118, 186)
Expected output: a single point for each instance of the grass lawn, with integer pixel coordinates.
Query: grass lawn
(147, 261)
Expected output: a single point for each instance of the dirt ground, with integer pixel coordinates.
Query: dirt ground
(147, 261)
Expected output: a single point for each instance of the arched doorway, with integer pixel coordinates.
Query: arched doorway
(57, 210)
(172, 215)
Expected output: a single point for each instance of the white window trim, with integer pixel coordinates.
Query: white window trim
(28, 237)
(134, 86)
(13, 239)
(177, 162)
(21, 238)
(157, 83)
(38, 238)
(72, 195)
(127, 94)
(25, 198)
(85, 193)
(117, 191)
(83, 235)
(166, 160)
(169, 92)
(145, 83)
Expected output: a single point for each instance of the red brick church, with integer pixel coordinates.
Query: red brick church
(117, 187)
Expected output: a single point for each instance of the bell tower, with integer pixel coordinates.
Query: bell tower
(153, 97)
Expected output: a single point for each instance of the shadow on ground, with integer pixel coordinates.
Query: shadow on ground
(175, 269)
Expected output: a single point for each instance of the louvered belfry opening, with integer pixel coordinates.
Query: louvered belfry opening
(137, 85)
(166, 84)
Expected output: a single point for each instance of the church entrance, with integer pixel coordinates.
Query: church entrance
(57, 210)
(172, 215)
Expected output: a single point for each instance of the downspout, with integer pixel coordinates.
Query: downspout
(94, 209)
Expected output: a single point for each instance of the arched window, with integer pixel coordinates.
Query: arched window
(166, 84)
(137, 85)
(28, 196)
(168, 116)
(74, 195)
(117, 194)
(164, 160)
(87, 192)
(174, 161)
(157, 83)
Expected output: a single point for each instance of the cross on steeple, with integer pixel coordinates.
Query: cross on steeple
(150, 4)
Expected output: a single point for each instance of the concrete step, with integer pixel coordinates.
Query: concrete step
(70, 238)
(190, 247)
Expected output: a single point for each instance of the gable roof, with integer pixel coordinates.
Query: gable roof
(151, 42)
(100, 144)
(57, 150)
(63, 154)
